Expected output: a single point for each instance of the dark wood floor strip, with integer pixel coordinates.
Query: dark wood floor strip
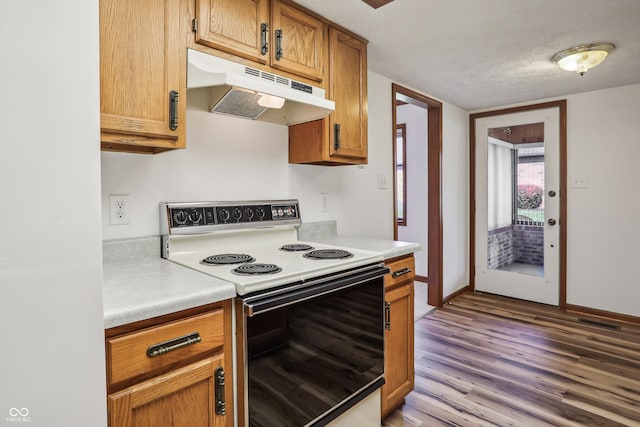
(485, 360)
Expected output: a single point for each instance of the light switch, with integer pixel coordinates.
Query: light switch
(382, 182)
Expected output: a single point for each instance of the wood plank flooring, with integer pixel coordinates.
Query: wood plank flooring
(485, 360)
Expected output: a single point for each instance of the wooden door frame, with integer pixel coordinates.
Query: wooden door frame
(434, 188)
(562, 113)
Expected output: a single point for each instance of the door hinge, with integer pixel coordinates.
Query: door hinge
(221, 405)
(194, 25)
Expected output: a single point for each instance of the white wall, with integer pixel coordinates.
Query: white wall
(603, 229)
(51, 321)
(416, 169)
(455, 199)
(226, 158)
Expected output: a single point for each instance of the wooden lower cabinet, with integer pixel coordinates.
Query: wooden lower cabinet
(399, 338)
(174, 370)
(184, 397)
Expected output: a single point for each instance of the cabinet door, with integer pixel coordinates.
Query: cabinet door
(297, 41)
(185, 397)
(142, 60)
(348, 88)
(234, 26)
(398, 369)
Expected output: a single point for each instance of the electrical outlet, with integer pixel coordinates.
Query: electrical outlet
(579, 181)
(119, 209)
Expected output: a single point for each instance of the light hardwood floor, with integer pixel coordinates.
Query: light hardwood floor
(485, 360)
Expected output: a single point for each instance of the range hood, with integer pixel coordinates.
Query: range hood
(243, 91)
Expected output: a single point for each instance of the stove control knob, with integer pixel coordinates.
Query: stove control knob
(223, 214)
(248, 213)
(260, 212)
(237, 213)
(195, 217)
(180, 217)
(289, 211)
(280, 212)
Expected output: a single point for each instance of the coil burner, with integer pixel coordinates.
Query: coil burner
(328, 254)
(224, 259)
(256, 269)
(296, 247)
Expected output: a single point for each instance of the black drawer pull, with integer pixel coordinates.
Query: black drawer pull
(399, 273)
(173, 344)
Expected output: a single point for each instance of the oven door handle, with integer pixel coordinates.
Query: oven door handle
(256, 305)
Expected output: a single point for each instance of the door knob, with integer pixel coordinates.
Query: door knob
(551, 221)
(552, 193)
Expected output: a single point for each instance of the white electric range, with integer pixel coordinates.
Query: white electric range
(310, 318)
(251, 244)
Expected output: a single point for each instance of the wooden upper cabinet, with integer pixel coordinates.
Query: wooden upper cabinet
(298, 40)
(348, 88)
(340, 139)
(282, 36)
(234, 26)
(142, 76)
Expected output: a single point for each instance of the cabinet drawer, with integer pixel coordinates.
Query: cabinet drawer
(402, 270)
(155, 348)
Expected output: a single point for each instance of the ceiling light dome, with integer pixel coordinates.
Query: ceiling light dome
(582, 58)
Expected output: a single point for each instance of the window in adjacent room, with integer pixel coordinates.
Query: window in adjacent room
(401, 173)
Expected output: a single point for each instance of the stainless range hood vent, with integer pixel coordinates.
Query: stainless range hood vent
(247, 92)
(240, 103)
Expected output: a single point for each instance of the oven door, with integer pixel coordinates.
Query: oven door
(314, 350)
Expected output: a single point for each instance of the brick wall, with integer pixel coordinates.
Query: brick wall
(500, 247)
(528, 244)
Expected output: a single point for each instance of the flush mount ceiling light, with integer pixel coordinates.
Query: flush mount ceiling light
(583, 57)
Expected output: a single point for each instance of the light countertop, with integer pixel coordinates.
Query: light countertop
(139, 285)
(146, 286)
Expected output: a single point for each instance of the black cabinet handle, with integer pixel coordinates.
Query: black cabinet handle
(336, 136)
(173, 110)
(174, 344)
(400, 272)
(278, 45)
(264, 38)
(387, 316)
(221, 405)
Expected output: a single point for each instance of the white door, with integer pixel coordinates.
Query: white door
(517, 205)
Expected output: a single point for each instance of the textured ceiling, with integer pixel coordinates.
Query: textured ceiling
(485, 53)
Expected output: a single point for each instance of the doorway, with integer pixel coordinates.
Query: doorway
(417, 183)
(518, 200)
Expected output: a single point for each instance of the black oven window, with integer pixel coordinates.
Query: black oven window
(307, 358)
